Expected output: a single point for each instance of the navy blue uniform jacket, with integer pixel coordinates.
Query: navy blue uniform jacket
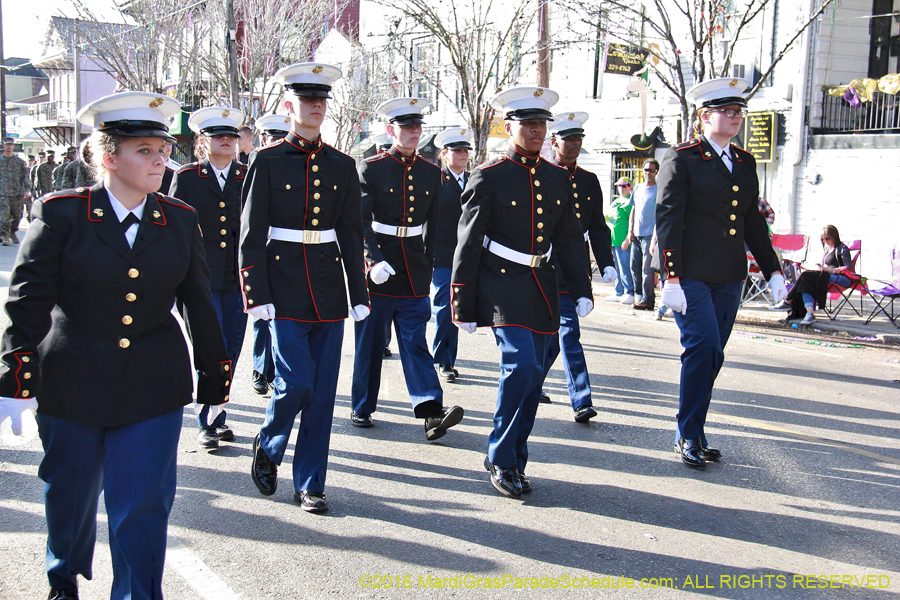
(219, 212)
(402, 191)
(92, 336)
(705, 213)
(525, 204)
(302, 185)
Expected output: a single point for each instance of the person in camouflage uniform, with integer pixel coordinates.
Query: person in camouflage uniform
(60, 171)
(44, 176)
(14, 189)
(78, 173)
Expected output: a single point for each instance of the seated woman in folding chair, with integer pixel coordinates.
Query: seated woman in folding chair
(812, 285)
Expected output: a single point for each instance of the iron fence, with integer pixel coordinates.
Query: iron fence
(880, 115)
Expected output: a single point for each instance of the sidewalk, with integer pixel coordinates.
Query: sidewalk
(847, 324)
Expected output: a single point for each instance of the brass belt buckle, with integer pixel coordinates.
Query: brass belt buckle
(537, 261)
(312, 237)
(403, 232)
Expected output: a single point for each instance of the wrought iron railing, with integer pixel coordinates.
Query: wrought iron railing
(879, 115)
(52, 112)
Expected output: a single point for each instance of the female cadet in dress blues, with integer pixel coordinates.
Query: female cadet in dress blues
(93, 341)
(455, 144)
(270, 128)
(301, 235)
(706, 210)
(213, 187)
(517, 212)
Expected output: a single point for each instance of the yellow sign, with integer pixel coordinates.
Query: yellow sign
(497, 130)
(760, 136)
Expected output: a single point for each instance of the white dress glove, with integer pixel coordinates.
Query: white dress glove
(467, 327)
(17, 424)
(380, 272)
(673, 297)
(359, 312)
(585, 305)
(776, 286)
(266, 312)
(609, 275)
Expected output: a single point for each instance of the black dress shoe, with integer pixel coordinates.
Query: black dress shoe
(260, 385)
(709, 454)
(585, 414)
(713, 454)
(387, 351)
(358, 420)
(224, 433)
(448, 373)
(207, 439)
(505, 481)
(642, 306)
(437, 425)
(544, 399)
(691, 452)
(63, 594)
(311, 501)
(525, 483)
(263, 471)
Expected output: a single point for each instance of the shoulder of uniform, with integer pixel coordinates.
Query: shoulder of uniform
(188, 167)
(491, 163)
(428, 162)
(241, 166)
(555, 166)
(269, 147)
(376, 158)
(687, 144)
(174, 202)
(736, 147)
(72, 193)
(338, 152)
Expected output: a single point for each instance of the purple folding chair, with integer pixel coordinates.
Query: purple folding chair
(885, 296)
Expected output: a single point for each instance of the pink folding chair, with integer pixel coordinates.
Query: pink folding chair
(844, 295)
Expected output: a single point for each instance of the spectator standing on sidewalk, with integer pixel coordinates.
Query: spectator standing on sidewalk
(621, 209)
(641, 222)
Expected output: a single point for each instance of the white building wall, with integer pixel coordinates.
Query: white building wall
(855, 193)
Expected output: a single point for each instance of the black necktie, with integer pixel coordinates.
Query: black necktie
(128, 221)
(726, 159)
(224, 180)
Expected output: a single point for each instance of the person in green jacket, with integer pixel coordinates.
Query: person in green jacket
(619, 221)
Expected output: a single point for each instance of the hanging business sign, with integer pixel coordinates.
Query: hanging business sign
(622, 59)
(759, 136)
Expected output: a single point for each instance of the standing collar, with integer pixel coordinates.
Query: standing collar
(522, 159)
(395, 153)
(717, 149)
(304, 144)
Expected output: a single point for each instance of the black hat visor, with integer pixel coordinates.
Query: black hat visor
(130, 128)
(309, 90)
(527, 114)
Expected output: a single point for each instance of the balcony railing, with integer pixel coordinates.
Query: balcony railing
(45, 113)
(880, 115)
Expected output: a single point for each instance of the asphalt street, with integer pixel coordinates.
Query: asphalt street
(805, 503)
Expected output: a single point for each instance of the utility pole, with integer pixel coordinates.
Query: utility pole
(231, 38)
(543, 52)
(76, 56)
(2, 79)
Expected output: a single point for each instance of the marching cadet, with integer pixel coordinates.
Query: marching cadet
(171, 167)
(587, 198)
(301, 234)
(270, 128)
(517, 213)
(455, 144)
(92, 344)
(400, 202)
(44, 175)
(706, 211)
(15, 189)
(213, 187)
